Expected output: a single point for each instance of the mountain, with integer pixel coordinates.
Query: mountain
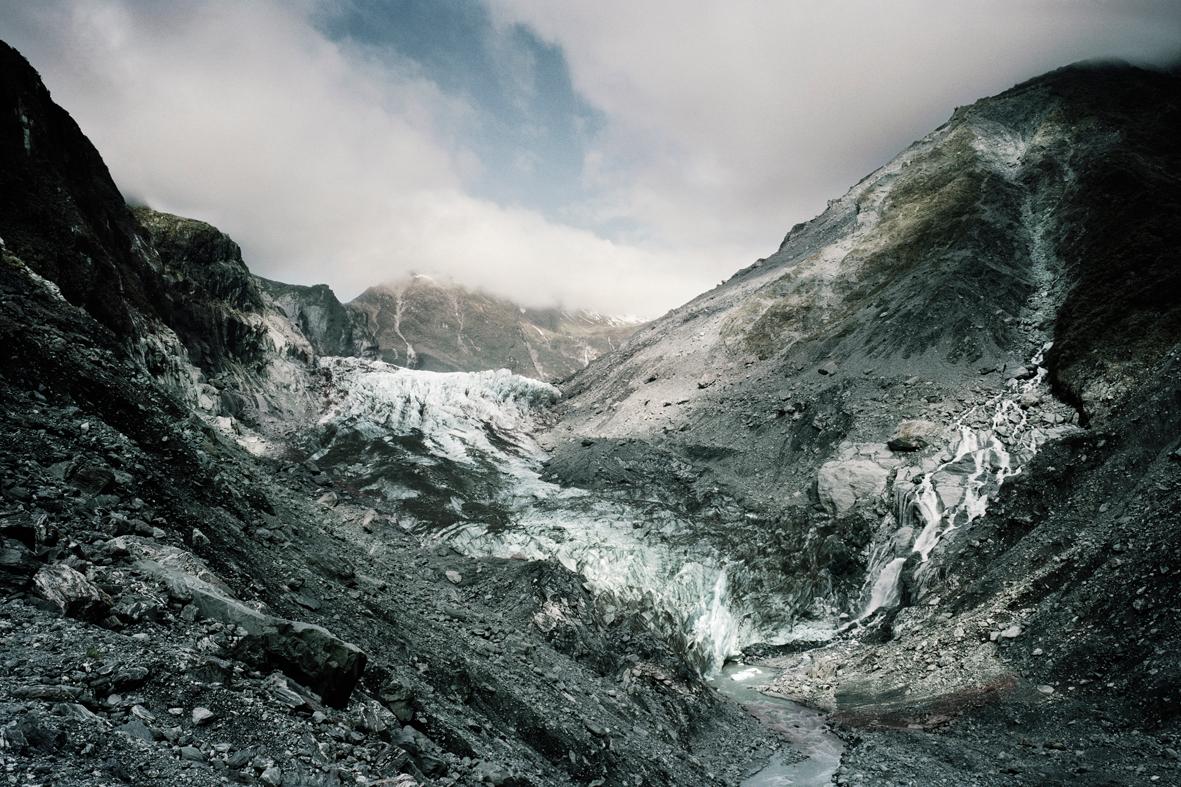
(918, 470)
(331, 327)
(938, 430)
(422, 323)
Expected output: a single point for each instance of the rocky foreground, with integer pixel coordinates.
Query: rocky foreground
(175, 614)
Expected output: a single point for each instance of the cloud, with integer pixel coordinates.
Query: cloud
(325, 163)
(704, 129)
(730, 120)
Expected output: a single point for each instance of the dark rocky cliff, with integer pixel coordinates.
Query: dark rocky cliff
(210, 293)
(60, 211)
(332, 328)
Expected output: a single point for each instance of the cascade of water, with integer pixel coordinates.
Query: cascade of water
(957, 491)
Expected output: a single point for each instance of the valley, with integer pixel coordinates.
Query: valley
(897, 504)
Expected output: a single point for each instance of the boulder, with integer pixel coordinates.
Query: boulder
(399, 698)
(92, 479)
(841, 484)
(1031, 399)
(71, 592)
(304, 652)
(912, 436)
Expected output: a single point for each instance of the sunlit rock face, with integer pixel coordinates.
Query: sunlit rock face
(424, 323)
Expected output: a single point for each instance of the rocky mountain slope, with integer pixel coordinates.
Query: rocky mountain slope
(188, 599)
(422, 323)
(331, 327)
(938, 429)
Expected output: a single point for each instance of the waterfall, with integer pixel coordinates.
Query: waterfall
(957, 491)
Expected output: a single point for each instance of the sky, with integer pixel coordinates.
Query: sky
(618, 155)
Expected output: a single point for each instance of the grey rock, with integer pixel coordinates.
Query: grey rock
(373, 718)
(399, 698)
(192, 754)
(329, 326)
(307, 653)
(841, 484)
(912, 435)
(487, 772)
(72, 710)
(71, 592)
(280, 691)
(1025, 373)
(46, 691)
(137, 729)
(91, 479)
(17, 564)
(306, 601)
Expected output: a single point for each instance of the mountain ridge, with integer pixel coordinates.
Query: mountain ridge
(442, 326)
(1002, 296)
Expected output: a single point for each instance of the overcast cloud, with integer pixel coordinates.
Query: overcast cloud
(616, 155)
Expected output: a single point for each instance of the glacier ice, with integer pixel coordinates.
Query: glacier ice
(636, 557)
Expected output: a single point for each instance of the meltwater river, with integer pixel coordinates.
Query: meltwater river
(803, 728)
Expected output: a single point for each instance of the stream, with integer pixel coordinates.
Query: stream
(805, 729)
